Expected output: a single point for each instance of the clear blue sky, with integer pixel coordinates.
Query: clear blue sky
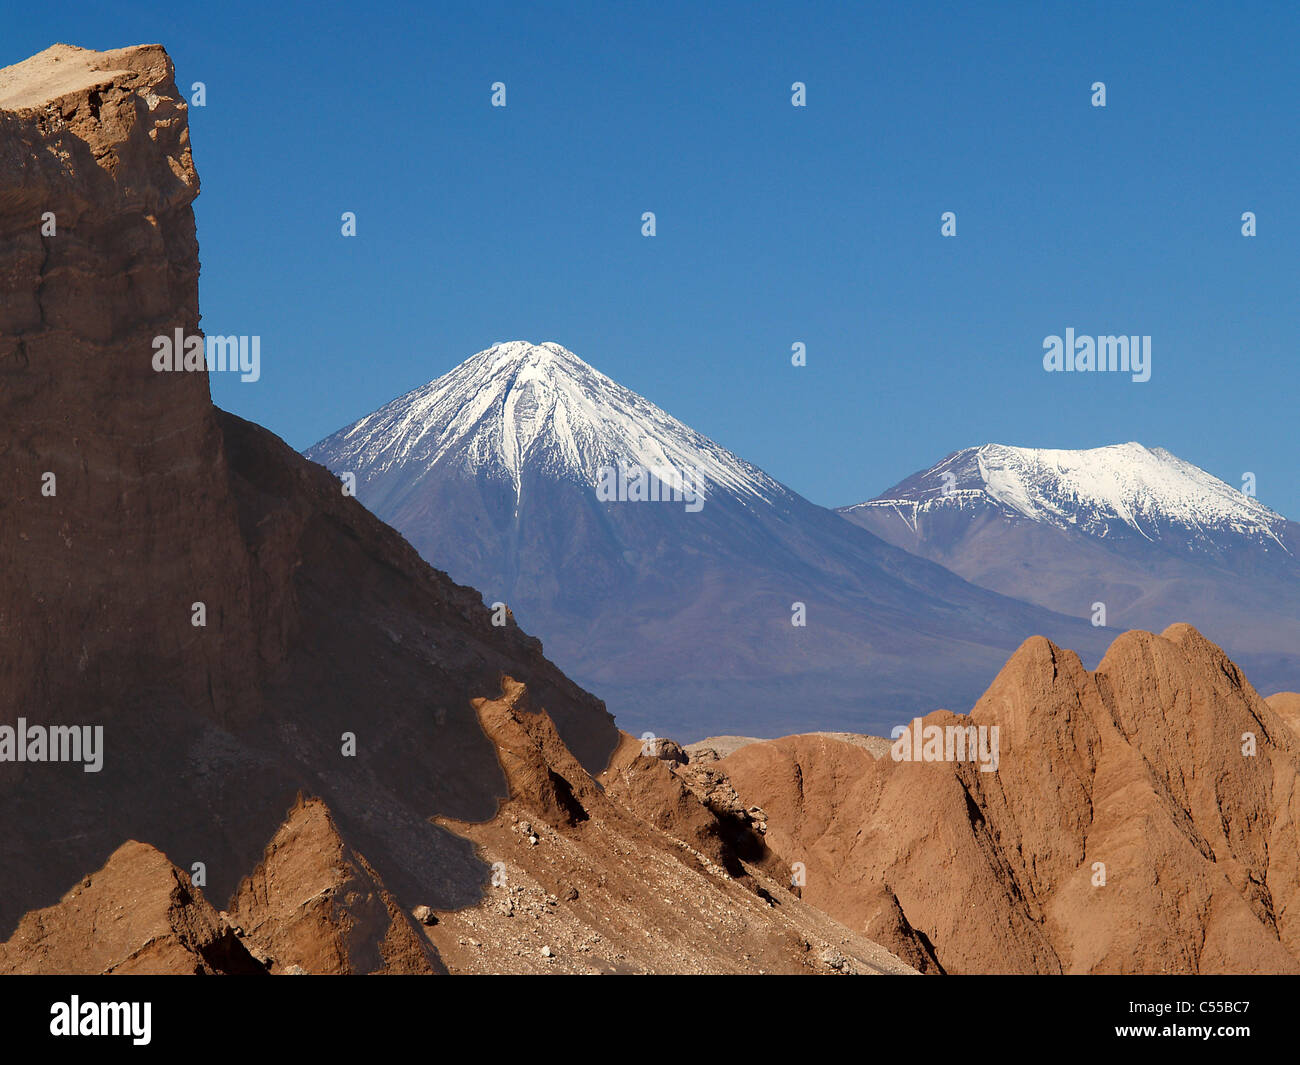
(775, 224)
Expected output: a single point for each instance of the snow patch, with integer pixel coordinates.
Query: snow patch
(1149, 490)
(518, 406)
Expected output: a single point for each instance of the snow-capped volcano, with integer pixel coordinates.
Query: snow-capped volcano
(758, 612)
(1123, 489)
(517, 408)
(1128, 536)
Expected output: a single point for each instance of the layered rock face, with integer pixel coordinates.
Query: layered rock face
(128, 498)
(1142, 818)
(115, 481)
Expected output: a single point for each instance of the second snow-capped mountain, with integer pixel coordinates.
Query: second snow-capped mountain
(1120, 492)
(1137, 531)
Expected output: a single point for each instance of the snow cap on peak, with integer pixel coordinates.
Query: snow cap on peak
(523, 350)
(519, 405)
(1093, 489)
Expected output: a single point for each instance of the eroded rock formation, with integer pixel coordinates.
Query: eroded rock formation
(1142, 818)
(137, 915)
(314, 905)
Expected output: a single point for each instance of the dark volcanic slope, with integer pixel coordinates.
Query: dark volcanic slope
(320, 620)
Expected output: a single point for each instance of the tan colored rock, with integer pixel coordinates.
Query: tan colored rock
(716, 747)
(1138, 767)
(139, 914)
(315, 905)
(1287, 706)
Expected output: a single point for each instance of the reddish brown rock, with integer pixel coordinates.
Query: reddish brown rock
(316, 906)
(692, 803)
(1137, 768)
(321, 623)
(139, 914)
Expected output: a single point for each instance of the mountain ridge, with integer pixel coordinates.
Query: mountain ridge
(1163, 841)
(1089, 489)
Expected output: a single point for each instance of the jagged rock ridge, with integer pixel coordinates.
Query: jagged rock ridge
(1144, 817)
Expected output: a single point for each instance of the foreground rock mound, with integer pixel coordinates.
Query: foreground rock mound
(578, 883)
(584, 882)
(1142, 818)
(137, 915)
(314, 905)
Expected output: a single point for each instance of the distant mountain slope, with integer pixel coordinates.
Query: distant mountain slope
(680, 617)
(1154, 538)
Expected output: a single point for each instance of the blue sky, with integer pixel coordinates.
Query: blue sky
(775, 224)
